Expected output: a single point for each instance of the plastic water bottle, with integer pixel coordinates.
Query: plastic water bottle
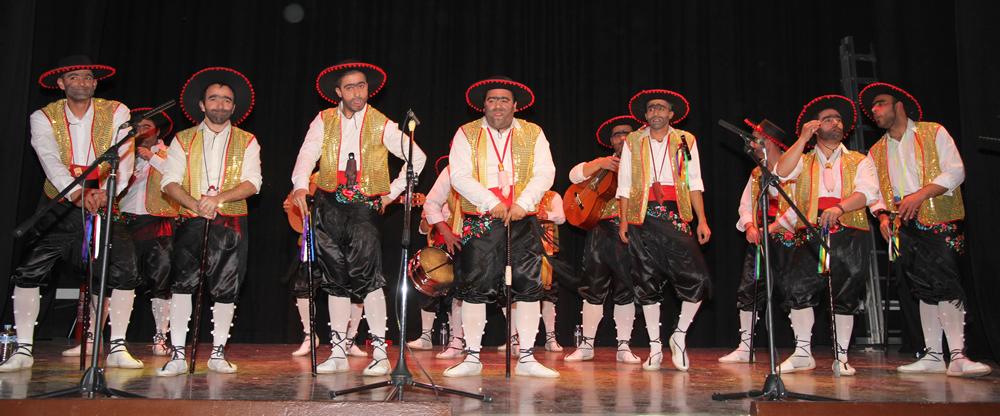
(8, 343)
(445, 335)
(578, 335)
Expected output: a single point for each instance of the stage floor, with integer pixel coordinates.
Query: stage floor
(269, 372)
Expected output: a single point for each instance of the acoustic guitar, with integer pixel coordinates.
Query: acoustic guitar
(584, 201)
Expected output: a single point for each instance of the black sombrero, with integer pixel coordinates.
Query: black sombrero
(837, 102)
(910, 104)
(637, 105)
(161, 120)
(772, 132)
(329, 80)
(194, 87)
(477, 92)
(604, 132)
(74, 63)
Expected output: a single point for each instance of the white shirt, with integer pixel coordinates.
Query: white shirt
(865, 182)
(556, 215)
(436, 203)
(350, 142)
(666, 175)
(44, 141)
(134, 200)
(213, 166)
(902, 154)
(542, 176)
(747, 203)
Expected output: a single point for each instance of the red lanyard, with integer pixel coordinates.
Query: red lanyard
(500, 157)
(663, 159)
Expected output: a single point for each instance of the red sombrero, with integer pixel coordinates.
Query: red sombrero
(477, 92)
(604, 131)
(194, 87)
(329, 80)
(771, 132)
(161, 120)
(848, 114)
(910, 104)
(74, 63)
(637, 105)
(438, 166)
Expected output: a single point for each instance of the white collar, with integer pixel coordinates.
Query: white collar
(71, 118)
(513, 123)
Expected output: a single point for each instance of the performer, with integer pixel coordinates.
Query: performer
(352, 142)
(606, 259)
(68, 135)
(658, 207)
(919, 171)
(443, 227)
(833, 186)
(211, 170)
(550, 216)
(501, 167)
(752, 282)
(151, 217)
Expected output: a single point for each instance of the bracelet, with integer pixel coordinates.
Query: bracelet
(842, 210)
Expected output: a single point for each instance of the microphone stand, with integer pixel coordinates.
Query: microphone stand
(401, 376)
(93, 381)
(774, 389)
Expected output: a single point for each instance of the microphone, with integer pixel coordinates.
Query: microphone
(413, 120)
(148, 114)
(684, 146)
(746, 135)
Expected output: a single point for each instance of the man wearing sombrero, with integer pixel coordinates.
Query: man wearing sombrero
(151, 216)
(833, 186)
(442, 223)
(352, 143)
(501, 167)
(68, 135)
(752, 281)
(606, 259)
(659, 193)
(920, 170)
(211, 169)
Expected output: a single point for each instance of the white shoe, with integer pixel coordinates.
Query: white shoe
(655, 358)
(160, 347)
(422, 343)
(455, 349)
(930, 362)
(378, 366)
(625, 354)
(218, 361)
(471, 366)
(119, 356)
(678, 355)
(176, 366)
(20, 360)
(846, 369)
(585, 352)
(738, 356)
(354, 351)
(304, 349)
(550, 342)
(963, 367)
(527, 366)
(75, 351)
(797, 363)
(337, 363)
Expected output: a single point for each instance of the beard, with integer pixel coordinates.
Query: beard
(219, 116)
(79, 94)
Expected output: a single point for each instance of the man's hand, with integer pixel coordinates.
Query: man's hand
(144, 153)
(830, 216)
(208, 206)
(499, 211)
(94, 199)
(704, 233)
(609, 163)
(299, 199)
(74, 197)
(809, 129)
(452, 242)
(773, 227)
(516, 213)
(286, 204)
(753, 236)
(885, 226)
(386, 200)
(623, 231)
(908, 207)
(542, 214)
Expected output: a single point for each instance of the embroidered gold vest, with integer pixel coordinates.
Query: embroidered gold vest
(788, 187)
(642, 169)
(807, 188)
(551, 237)
(373, 162)
(522, 152)
(102, 134)
(936, 210)
(191, 141)
(157, 202)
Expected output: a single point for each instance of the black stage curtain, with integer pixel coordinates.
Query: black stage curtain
(731, 59)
